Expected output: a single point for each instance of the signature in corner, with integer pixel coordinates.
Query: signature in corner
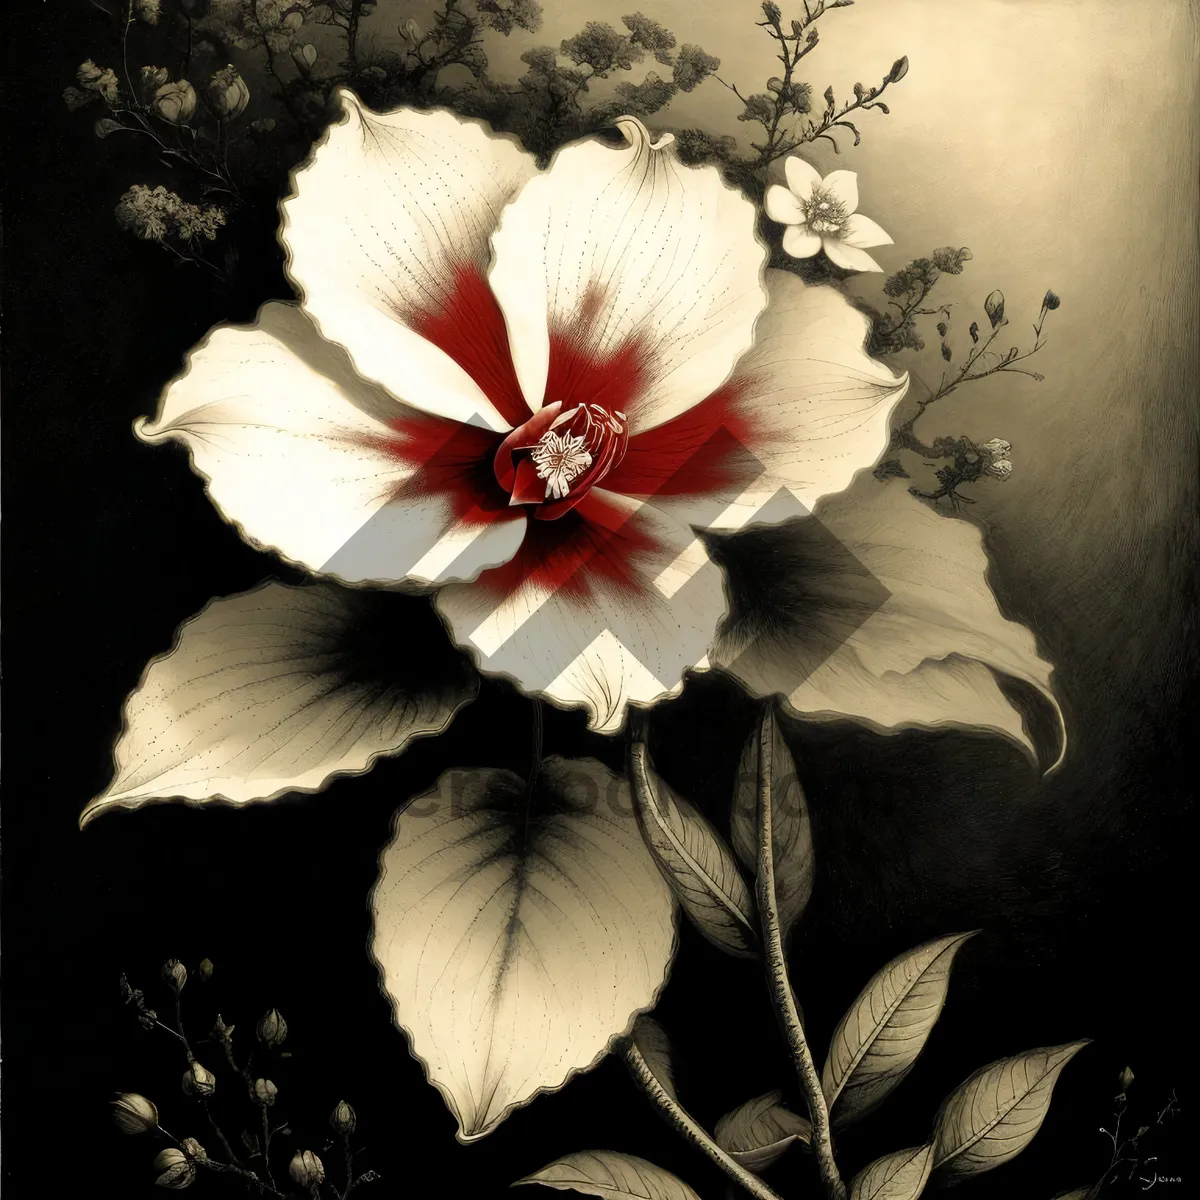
(1152, 1179)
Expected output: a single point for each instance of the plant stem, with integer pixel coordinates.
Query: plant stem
(266, 1124)
(535, 752)
(777, 976)
(689, 1127)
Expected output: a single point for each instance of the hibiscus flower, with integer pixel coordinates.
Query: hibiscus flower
(526, 392)
(822, 214)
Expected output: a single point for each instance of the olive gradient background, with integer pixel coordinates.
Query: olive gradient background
(1059, 141)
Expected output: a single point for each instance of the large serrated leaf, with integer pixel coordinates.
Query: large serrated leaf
(884, 1031)
(654, 1046)
(612, 1176)
(790, 825)
(758, 1132)
(279, 689)
(695, 861)
(994, 1115)
(518, 932)
(899, 1176)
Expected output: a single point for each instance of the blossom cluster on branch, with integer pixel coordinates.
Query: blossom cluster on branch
(246, 1102)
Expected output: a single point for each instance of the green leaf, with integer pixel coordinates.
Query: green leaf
(610, 1175)
(884, 1031)
(899, 1176)
(994, 1115)
(790, 824)
(758, 1132)
(518, 934)
(695, 861)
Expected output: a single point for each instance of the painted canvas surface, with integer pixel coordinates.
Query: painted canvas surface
(599, 600)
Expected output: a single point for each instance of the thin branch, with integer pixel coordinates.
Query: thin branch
(689, 1127)
(777, 977)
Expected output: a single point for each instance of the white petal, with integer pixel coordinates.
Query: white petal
(620, 629)
(781, 205)
(298, 452)
(389, 206)
(843, 186)
(814, 407)
(272, 692)
(801, 177)
(515, 951)
(618, 246)
(862, 232)
(878, 608)
(848, 257)
(800, 242)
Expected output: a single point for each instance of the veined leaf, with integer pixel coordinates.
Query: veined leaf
(655, 1047)
(994, 1115)
(612, 1176)
(518, 935)
(899, 1176)
(695, 861)
(879, 1039)
(758, 1132)
(280, 689)
(790, 825)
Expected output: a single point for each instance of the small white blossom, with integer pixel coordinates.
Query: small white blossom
(820, 214)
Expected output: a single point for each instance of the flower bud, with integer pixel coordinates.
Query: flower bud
(134, 1114)
(205, 970)
(194, 1150)
(272, 1029)
(175, 973)
(154, 77)
(304, 57)
(997, 448)
(175, 102)
(228, 94)
(264, 1092)
(410, 30)
(307, 1169)
(222, 1032)
(197, 1081)
(175, 1169)
(1125, 1078)
(1000, 468)
(1051, 301)
(342, 1119)
(994, 307)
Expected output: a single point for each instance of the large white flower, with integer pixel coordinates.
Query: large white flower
(822, 214)
(537, 397)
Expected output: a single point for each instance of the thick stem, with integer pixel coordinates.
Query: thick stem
(777, 977)
(689, 1127)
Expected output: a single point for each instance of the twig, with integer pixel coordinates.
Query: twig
(689, 1127)
(778, 982)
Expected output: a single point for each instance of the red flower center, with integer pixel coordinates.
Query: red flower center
(556, 457)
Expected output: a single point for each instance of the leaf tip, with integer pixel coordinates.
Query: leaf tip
(92, 810)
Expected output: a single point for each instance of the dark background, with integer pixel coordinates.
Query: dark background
(1081, 883)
